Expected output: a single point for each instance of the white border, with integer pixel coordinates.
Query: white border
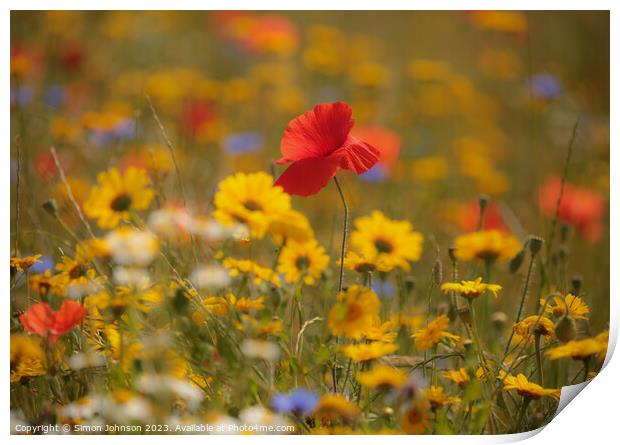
(591, 417)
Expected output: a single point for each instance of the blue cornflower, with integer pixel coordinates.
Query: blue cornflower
(385, 289)
(55, 96)
(378, 173)
(21, 95)
(299, 402)
(46, 263)
(240, 143)
(545, 86)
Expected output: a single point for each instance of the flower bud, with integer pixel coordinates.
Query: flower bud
(563, 252)
(438, 272)
(50, 207)
(452, 254)
(483, 201)
(516, 261)
(536, 243)
(576, 281)
(498, 320)
(409, 284)
(566, 329)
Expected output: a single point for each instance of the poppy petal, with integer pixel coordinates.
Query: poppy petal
(308, 176)
(68, 316)
(358, 156)
(317, 132)
(38, 319)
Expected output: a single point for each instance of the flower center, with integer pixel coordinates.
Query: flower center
(414, 416)
(354, 312)
(252, 205)
(487, 255)
(76, 271)
(302, 262)
(383, 246)
(558, 311)
(121, 203)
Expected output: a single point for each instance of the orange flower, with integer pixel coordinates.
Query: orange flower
(42, 320)
(580, 207)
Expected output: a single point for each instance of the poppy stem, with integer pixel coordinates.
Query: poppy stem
(344, 234)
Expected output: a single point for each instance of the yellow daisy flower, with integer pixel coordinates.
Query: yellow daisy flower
(459, 376)
(247, 305)
(523, 386)
(487, 245)
(576, 307)
(213, 305)
(382, 377)
(23, 264)
(387, 243)
(305, 261)
(364, 352)
(471, 289)
(354, 313)
(359, 263)
(416, 418)
(45, 282)
(290, 225)
(90, 249)
(532, 325)
(251, 199)
(259, 273)
(271, 327)
(433, 334)
(74, 270)
(27, 357)
(581, 349)
(381, 331)
(115, 195)
(335, 408)
(437, 398)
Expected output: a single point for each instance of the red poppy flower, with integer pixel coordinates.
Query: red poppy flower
(580, 207)
(318, 143)
(42, 320)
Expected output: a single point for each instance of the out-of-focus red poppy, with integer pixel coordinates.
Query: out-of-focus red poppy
(580, 207)
(24, 61)
(387, 141)
(318, 143)
(44, 165)
(71, 57)
(258, 33)
(196, 114)
(40, 319)
(470, 216)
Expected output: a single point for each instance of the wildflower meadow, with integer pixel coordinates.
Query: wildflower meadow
(346, 222)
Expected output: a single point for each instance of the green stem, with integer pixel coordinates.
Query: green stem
(341, 275)
(539, 360)
(344, 233)
(522, 411)
(586, 368)
(528, 277)
(476, 338)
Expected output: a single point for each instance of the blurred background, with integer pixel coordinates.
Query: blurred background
(460, 103)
